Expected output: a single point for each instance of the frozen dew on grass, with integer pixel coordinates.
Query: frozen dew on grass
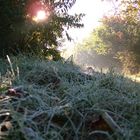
(68, 110)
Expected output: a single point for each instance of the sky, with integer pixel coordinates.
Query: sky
(94, 10)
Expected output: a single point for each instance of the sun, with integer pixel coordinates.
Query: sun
(40, 16)
(38, 11)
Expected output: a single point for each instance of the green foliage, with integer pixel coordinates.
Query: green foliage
(19, 33)
(118, 40)
(130, 10)
(130, 14)
(64, 108)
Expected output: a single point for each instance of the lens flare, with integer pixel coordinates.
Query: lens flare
(41, 15)
(38, 11)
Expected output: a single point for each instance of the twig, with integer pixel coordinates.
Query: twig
(11, 66)
(101, 132)
(108, 119)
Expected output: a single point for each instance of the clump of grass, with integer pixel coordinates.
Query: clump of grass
(61, 100)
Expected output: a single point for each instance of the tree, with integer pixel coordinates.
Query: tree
(116, 41)
(20, 33)
(130, 11)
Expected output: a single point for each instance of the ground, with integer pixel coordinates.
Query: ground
(42, 99)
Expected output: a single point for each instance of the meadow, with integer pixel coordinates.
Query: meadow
(54, 100)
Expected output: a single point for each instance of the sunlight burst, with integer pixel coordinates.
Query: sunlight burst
(40, 16)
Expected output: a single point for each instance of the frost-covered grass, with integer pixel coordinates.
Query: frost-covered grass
(60, 101)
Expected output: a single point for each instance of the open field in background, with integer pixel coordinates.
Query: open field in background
(91, 70)
(47, 100)
(135, 78)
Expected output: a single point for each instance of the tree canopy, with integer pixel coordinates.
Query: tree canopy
(20, 33)
(117, 38)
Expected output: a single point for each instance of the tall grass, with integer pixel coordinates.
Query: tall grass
(60, 101)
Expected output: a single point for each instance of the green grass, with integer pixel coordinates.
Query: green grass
(61, 101)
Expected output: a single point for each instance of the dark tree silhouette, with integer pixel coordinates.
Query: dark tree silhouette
(20, 33)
